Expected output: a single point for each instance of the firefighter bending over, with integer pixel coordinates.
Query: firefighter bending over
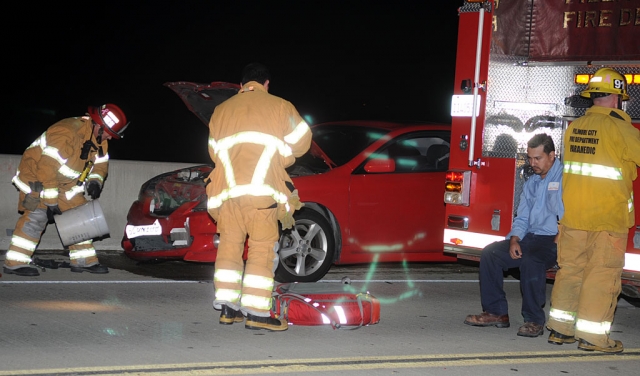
(253, 137)
(602, 151)
(54, 172)
(530, 246)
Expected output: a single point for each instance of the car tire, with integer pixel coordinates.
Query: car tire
(307, 250)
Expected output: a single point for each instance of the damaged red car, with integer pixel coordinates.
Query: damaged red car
(372, 192)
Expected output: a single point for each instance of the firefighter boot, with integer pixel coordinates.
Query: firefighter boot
(229, 315)
(268, 323)
(97, 269)
(556, 338)
(23, 271)
(588, 346)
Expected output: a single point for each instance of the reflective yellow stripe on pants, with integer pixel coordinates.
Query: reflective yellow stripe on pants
(587, 284)
(239, 217)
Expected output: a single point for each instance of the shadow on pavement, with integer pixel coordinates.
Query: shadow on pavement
(175, 269)
(117, 260)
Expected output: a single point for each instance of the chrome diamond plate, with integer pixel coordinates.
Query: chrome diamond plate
(524, 100)
(475, 7)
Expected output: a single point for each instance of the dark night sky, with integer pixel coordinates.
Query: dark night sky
(334, 60)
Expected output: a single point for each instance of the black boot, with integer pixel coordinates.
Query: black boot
(229, 315)
(556, 338)
(268, 323)
(24, 271)
(97, 269)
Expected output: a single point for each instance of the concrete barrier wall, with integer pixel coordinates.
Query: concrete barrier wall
(120, 190)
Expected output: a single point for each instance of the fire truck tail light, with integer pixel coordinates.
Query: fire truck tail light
(457, 187)
(452, 198)
(453, 187)
(454, 176)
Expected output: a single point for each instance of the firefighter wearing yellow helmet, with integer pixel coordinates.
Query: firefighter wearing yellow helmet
(253, 137)
(601, 154)
(69, 158)
(604, 82)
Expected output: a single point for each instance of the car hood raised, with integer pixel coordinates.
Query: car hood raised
(202, 99)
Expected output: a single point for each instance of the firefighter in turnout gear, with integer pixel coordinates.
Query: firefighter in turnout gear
(253, 137)
(602, 151)
(71, 156)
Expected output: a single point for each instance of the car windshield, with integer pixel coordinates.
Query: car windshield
(341, 143)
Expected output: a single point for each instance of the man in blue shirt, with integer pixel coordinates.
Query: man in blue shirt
(530, 246)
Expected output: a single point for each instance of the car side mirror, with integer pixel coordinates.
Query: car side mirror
(377, 165)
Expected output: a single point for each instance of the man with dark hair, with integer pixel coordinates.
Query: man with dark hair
(253, 137)
(602, 152)
(530, 246)
(255, 72)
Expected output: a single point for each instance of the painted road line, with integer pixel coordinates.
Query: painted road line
(345, 364)
(95, 282)
(207, 281)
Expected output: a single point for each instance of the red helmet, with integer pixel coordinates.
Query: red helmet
(111, 118)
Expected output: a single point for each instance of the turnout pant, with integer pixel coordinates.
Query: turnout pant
(586, 289)
(29, 229)
(538, 255)
(248, 288)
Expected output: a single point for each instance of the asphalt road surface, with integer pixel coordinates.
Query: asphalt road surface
(157, 319)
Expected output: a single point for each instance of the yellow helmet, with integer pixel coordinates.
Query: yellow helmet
(606, 81)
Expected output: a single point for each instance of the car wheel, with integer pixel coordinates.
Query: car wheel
(306, 251)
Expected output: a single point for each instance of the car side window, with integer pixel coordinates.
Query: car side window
(422, 151)
(438, 156)
(419, 154)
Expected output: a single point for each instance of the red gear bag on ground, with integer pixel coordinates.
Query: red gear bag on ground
(324, 304)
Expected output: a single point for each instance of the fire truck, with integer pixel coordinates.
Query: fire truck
(520, 67)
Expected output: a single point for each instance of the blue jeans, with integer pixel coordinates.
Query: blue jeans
(539, 253)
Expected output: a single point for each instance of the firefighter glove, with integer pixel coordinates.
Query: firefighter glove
(286, 216)
(51, 211)
(94, 189)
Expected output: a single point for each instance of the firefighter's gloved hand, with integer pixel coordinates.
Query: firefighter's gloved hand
(51, 211)
(294, 201)
(286, 216)
(286, 219)
(94, 189)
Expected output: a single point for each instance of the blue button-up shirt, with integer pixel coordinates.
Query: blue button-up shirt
(540, 205)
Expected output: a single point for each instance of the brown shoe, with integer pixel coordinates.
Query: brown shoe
(488, 319)
(588, 346)
(531, 329)
(556, 338)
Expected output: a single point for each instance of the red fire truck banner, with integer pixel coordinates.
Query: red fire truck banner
(567, 30)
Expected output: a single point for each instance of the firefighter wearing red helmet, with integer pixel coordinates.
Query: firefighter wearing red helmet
(111, 120)
(602, 152)
(68, 159)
